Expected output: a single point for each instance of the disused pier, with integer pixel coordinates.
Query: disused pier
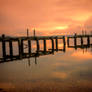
(75, 38)
(20, 40)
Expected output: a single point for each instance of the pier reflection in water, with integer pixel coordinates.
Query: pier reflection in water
(65, 70)
(32, 55)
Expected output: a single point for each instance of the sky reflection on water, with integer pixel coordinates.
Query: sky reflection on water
(70, 70)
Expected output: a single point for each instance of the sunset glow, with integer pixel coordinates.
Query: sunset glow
(52, 28)
(61, 27)
(57, 16)
(46, 45)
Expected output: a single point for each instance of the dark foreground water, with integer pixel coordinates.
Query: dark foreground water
(69, 71)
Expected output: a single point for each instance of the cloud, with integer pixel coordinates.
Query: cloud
(88, 24)
(74, 5)
(17, 15)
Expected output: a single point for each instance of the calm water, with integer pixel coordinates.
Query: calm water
(69, 71)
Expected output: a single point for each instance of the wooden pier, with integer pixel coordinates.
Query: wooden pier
(54, 40)
(20, 40)
(75, 38)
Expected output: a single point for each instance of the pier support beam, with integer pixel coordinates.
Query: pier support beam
(52, 44)
(3, 47)
(75, 41)
(64, 40)
(29, 47)
(20, 45)
(11, 49)
(38, 47)
(56, 44)
(44, 41)
(68, 41)
(81, 41)
(88, 40)
(64, 48)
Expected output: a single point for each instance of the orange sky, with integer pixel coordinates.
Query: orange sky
(49, 17)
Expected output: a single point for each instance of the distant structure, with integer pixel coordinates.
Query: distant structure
(27, 32)
(34, 32)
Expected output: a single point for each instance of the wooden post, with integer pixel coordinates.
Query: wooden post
(34, 32)
(29, 47)
(20, 45)
(68, 41)
(22, 49)
(75, 39)
(3, 47)
(27, 33)
(52, 44)
(88, 40)
(64, 40)
(64, 48)
(44, 41)
(81, 41)
(37, 42)
(56, 44)
(11, 49)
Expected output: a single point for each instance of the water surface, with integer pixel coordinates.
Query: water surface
(69, 71)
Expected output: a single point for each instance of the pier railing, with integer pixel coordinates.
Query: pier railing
(75, 38)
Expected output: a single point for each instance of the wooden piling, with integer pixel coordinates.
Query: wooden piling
(29, 47)
(75, 40)
(11, 49)
(3, 47)
(56, 40)
(34, 32)
(20, 47)
(37, 42)
(64, 48)
(81, 41)
(44, 42)
(64, 40)
(88, 40)
(68, 41)
(27, 33)
(52, 41)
